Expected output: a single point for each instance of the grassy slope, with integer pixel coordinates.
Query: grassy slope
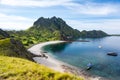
(20, 69)
(6, 48)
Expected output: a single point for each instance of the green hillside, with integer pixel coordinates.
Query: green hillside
(46, 29)
(56, 27)
(93, 34)
(20, 69)
(12, 47)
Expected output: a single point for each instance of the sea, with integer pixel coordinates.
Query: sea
(93, 51)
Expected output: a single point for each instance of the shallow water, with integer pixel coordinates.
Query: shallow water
(79, 54)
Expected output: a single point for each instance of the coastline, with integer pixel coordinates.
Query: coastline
(49, 62)
(56, 64)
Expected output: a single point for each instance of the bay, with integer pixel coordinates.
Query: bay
(79, 54)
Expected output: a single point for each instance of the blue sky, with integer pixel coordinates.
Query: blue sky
(79, 14)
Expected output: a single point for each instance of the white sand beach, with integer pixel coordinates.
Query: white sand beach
(49, 62)
(56, 64)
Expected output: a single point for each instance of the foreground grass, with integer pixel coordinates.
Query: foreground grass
(21, 69)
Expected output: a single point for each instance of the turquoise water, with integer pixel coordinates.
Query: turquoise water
(79, 54)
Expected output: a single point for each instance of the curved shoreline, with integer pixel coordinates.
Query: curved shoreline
(49, 62)
(56, 64)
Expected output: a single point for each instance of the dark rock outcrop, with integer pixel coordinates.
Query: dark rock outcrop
(12, 47)
(3, 34)
(20, 50)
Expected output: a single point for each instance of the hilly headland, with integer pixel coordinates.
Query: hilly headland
(19, 63)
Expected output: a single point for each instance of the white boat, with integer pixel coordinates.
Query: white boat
(99, 46)
(89, 66)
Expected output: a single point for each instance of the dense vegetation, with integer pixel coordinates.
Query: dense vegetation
(21, 69)
(47, 29)
(57, 26)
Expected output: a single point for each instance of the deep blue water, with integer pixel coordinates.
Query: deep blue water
(79, 54)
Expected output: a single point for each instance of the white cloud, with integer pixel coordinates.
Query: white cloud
(89, 8)
(34, 3)
(93, 8)
(9, 17)
(14, 22)
(110, 26)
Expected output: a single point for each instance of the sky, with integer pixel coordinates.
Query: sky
(79, 14)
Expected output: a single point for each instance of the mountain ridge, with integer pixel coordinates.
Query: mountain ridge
(56, 24)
